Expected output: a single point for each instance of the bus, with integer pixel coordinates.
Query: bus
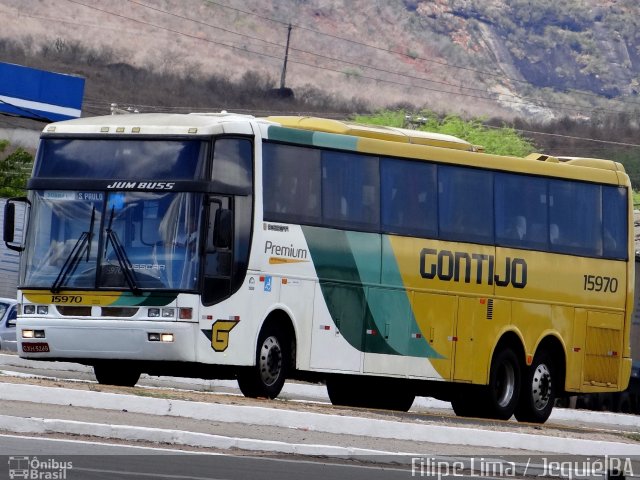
(387, 263)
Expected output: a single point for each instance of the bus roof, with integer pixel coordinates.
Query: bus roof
(378, 132)
(150, 123)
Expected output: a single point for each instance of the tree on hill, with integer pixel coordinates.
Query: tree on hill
(499, 141)
(15, 169)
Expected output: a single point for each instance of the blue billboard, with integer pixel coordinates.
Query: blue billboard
(29, 92)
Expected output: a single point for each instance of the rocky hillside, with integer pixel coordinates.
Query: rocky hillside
(503, 58)
(590, 45)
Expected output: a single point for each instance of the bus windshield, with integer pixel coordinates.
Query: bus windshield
(121, 159)
(115, 240)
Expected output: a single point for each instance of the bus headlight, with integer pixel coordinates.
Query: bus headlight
(160, 337)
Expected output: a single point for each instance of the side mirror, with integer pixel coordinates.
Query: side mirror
(9, 229)
(223, 229)
(13, 316)
(9, 222)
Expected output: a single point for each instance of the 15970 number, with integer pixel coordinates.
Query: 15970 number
(596, 283)
(66, 299)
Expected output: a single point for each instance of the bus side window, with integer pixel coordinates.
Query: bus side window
(408, 197)
(521, 211)
(614, 209)
(577, 234)
(291, 183)
(232, 164)
(465, 204)
(350, 190)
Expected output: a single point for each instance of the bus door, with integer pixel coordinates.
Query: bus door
(219, 250)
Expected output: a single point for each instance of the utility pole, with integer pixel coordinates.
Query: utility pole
(286, 57)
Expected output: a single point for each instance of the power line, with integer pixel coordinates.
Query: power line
(570, 137)
(245, 50)
(382, 49)
(578, 109)
(405, 75)
(459, 87)
(256, 112)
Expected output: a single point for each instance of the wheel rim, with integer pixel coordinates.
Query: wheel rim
(541, 387)
(505, 384)
(270, 361)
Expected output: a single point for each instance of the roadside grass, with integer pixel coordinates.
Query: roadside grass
(634, 436)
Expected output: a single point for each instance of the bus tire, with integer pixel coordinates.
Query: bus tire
(116, 373)
(341, 392)
(394, 396)
(273, 357)
(539, 390)
(501, 395)
(623, 402)
(354, 391)
(467, 402)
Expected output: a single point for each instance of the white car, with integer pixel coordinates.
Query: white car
(8, 315)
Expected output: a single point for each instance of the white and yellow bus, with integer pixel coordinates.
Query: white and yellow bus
(388, 263)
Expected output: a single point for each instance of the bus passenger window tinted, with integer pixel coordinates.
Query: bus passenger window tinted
(521, 211)
(614, 207)
(409, 198)
(465, 204)
(575, 218)
(291, 180)
(350, 190)
(232, 164)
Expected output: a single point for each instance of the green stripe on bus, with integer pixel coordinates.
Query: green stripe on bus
(372, 317)
(290, 135)
(342, 289)
(387, 298)
(316, 139)
(405, 328)
(146, 299)
(340, 142)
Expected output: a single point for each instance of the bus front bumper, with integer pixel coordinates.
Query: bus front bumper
(106, 339)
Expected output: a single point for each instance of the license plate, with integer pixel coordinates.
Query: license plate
(35, 347)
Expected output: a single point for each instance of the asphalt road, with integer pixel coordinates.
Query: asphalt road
(85, 460)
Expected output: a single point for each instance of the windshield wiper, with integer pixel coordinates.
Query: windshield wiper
(83, 243)
(121, 256)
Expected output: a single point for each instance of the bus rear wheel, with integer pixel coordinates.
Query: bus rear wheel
(503, 392)
(120, 374)
(539, 392)
(273, 357)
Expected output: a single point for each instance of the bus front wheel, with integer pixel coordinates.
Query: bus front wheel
(539, 390)
(273, 357)
(120, 374)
